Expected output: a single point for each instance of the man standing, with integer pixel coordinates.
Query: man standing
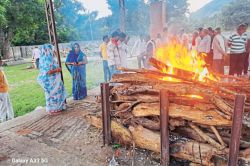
(139, 50)
(104, 56)
(6, 110)
(36, 56)
(204, 46)
(219, 52)
(237, 44)
(150, 50)
(114, 59)
(123, 49)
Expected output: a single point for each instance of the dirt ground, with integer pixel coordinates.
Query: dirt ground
(65, 139)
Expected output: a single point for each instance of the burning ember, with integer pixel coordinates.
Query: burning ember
(193, 96)
(176, 56)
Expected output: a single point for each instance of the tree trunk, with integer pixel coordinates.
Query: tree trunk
(210, 117)
(6, 46)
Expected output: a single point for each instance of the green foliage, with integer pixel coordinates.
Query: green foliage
(3, 6)
(137, 16)
(235, 13)
(211, 9)
(176, 10)
(26, 20)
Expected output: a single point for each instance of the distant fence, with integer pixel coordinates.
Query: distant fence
(90, 47)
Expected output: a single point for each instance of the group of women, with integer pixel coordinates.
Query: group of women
(50, 77)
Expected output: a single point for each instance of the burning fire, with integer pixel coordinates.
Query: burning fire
(193, 96)
(177, 56)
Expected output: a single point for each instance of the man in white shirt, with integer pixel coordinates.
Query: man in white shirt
(114, 57)
(36, 56)
(219, 52)
(204, 46)
(139, 49)
(123, 49)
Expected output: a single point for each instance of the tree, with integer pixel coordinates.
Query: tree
(236, 13)
(137, 16)
(176, 10)
(23, 23)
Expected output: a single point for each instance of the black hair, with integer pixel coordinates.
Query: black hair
(105, 37)
(115, 34)
(200, 29)
(122, 35)
(210, 28)
(218, 29)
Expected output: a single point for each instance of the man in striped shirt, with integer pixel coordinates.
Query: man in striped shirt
(237, 44)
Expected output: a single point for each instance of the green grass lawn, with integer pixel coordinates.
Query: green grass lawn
(25, 92)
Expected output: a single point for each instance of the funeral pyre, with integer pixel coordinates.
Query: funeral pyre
(201, 107)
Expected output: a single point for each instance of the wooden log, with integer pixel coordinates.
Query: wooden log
(210, 118)
(138, 97)
(193, 151)
(155, 124)
(243, 143)
(206, 137)
(190, 150)
(123, 106)
(147, 123)
(189, 133)
(218, 136)
(119, 132)
(222, 105)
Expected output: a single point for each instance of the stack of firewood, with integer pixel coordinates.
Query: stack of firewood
(200, 113)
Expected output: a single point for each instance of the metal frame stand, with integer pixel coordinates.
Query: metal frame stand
(106, 122)
(52, 30)
(239, 104)
(164, 127)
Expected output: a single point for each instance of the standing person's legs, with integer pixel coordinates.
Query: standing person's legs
(240, 63)
(139, 60)
(210, 58)
(105, 66)
(10, 112)
(218, 66)
(246, 63)
(108, 71)
(6, 110)
(37, 63)
(3, 111)
(233, 64)
(112, 70)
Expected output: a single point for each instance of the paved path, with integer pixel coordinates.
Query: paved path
(66, 139)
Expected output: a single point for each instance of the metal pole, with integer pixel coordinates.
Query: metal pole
(122, 15)
(164, 125)
(106, 123)
(90, 26)
(239, 104)
(52, 30)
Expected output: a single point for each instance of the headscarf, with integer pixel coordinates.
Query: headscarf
(73, 56)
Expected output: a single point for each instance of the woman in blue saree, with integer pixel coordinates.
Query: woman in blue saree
(76, 63)
(50, 80)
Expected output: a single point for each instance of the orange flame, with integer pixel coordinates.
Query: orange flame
(178, 56)
(193, 96)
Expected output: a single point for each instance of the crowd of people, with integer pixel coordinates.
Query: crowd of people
(114, 53)
(217, 48)
(208, 42)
